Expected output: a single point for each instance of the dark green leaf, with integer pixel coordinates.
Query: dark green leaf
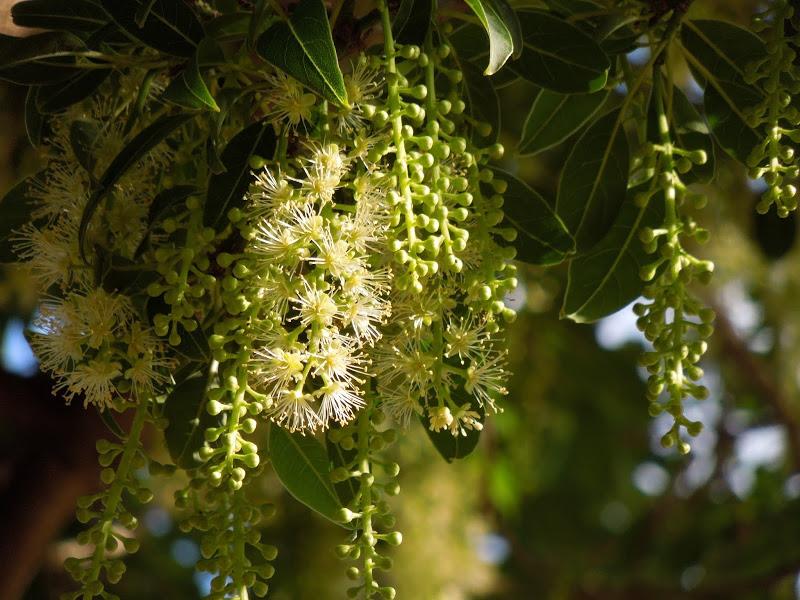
(74, 15)
(229, 26)
(34, 120)
(302, 465)
(482, 101)
(542, 238)
(194, 345)
(122, 275)
(188, 89)
(166, 202)
(558, 56)
(110, 422)
(592, 186)
(452, 447)
(606, 278)
(339, 457)
(554, 117)
(185, 411)
(503, 29)
(412, 21)
(303, 48)
(133, 152)
(171, 26)
(469, 42)
(58, 96)
(15, 211)
(226, 190)
(718, 53)
(82, 136)
(40, 58)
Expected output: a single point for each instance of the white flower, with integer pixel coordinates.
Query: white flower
(293, 411)
(335, 256)
(440, 418)
(339, 403)
(275, 241)
(486, 377)
(400, 403)
(287, 101)
(465, 419)
(51, 253)
(316, 307)
(270, 193)
(335, 360)
(277, 369)
(57, 336)
(363, 314)
(403, 362)
(464, 338)
(94, 380)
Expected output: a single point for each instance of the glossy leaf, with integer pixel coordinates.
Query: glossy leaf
(542, 238)
(74, 15)
(592, 186)
(188, 89)
(166, 202)
(15, 211)
(231, 26)
(718, 53)
(482, 102)
(302, 465)
(82, 136)
(40, 58)
(339, 457)
(132, 153)
(171, 26)
(503, 29)
(412, 21)
(58, 96)
(34, 120)
(470, 45)
(303, 48)
(226, 190)
(185, 411)
(122, 275)
(606, 278)
(559, 56)
(554, 117)
(194, 345)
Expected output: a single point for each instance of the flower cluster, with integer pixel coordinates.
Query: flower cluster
(674, 321)
(779, 77)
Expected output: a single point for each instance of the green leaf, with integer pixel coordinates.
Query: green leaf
(412, 21)
(74, 16)
(40, 58)
(194, 345)
(606, 278)
(303, 48)
(165, 202)
(482, 102)
(346, 490)
(226, 190)
(452, 447)
(542, 239)
(58, 96)
(503, 29)
(82, 136)
(15, 211)
(188, 419)
(302, 465)
(554, 117)
(171, 26)
(133, 152)
(34, 120)
(559, 56)
(469, 42)
(592, 186)
(718, 53)
(188, 89)
(122, 275)
(227, 27)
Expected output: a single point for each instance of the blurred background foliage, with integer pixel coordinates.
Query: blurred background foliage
(568, 496)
